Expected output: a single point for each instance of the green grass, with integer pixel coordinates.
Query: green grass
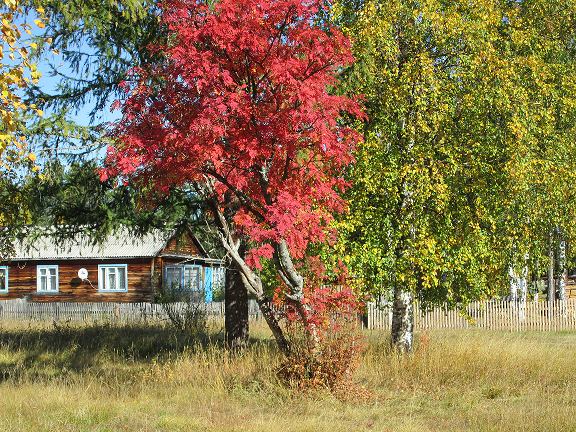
(101, 377)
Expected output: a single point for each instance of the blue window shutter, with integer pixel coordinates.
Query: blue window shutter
(208, 284)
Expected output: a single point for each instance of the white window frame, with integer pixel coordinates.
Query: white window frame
(4, 288)
(103, 281)
(218, 277)
(182, 269)
(173, 267)
(48, 277)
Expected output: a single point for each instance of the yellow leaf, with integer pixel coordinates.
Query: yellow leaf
(32, 157)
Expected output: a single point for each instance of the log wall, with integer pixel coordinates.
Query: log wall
(184, 245)
(22, 281)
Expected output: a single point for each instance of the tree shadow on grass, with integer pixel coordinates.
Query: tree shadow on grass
(64, 348)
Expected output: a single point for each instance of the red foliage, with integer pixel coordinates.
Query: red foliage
(332, 319)
(241, 99)
(331, 305)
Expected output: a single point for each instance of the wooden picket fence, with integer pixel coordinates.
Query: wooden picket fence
(489, 315)
(15, 310)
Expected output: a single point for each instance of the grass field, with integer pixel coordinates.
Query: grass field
(101, 377)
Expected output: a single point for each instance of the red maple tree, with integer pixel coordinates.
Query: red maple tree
(240, 108)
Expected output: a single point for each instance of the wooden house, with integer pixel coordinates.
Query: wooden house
(122, 268)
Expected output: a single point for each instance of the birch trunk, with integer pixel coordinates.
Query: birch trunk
(562, 272)
(402, 334)
(514, 285)
(523, 294)
(551, 292)
(536, 286)
(402, 329)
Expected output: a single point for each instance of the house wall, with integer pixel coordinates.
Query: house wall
(162, 262)
(184, 245)
(22, 281)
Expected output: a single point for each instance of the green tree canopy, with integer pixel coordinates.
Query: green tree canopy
(467, 158)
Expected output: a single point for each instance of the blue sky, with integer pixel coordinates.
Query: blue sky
(49, 83)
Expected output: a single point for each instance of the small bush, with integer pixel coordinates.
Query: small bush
(328, 364)
(185, 309)
(188, 317)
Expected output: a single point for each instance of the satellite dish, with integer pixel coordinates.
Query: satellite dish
(83, 274)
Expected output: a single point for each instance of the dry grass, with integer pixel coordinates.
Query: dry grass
(138, 378)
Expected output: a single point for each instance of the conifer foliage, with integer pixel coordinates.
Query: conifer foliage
(240, 108)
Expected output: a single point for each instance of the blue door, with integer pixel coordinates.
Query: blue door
(208, 284)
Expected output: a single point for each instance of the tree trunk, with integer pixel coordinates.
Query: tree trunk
(514, 285)
(562, 273)
(268, 314)
(551, 292)
(236, 311)
(523, 297)
(518, 291)
(234, 246)
(535, 284)
(402, 334)
(535, 281)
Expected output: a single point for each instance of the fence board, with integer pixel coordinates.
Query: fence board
(490, 315)
(17, 310)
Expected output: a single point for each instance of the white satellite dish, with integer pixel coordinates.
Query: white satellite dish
(83, 274)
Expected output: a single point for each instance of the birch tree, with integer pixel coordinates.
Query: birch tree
(467, 103)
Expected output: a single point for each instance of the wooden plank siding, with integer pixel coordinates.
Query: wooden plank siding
(571, 287)
(185, 245)
(22, 281)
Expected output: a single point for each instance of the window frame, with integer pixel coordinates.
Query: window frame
(103, 282)
(218, 277)
(41, 267)
(4, 289)
(182, 269)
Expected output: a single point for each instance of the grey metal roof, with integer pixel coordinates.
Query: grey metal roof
(120, 244)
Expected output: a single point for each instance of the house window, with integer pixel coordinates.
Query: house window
(183, 278)
(113, 278)
(4, 279)
(218, 278)
(47, 279)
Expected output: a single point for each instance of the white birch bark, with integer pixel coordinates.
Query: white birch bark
(562, 275)
(551, 290)
(562, 271)
(402, 333)
(523, 297)
(514, 281)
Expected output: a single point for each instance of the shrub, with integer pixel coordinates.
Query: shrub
(185, 309)
(329, 363)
